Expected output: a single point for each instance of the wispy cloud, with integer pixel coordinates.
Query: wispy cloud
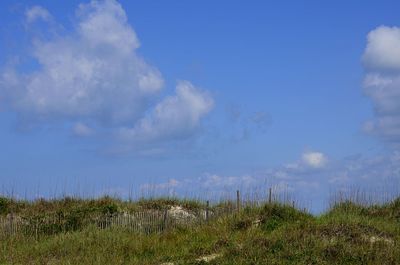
(82, 130)
(243, 125)
(308, 177)
(37, 12)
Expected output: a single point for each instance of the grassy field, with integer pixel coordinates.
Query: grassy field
(267, 234)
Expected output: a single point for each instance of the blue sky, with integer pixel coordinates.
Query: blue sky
(199, 97)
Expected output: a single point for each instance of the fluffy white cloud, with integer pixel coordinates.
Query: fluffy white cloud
(314, 159)
(383, 48)
(37, 12)
(382, 82)
(175, 117)
(310, 161)
(94, 74)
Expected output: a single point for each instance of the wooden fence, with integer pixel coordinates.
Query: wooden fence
(149, 221)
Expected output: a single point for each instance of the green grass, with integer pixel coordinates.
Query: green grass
(270, 234)
(100, 205)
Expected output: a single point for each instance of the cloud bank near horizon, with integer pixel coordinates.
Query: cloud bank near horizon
(300, 180)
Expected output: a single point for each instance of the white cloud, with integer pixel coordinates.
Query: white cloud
(314, 159)
(379, 173)
(384, 90)
(172, 183)
(310, 162)
(382, 82)
(175, 117)
(94, 74)
(105, 23)
(37, 12)
(383, 48)
(214, 181)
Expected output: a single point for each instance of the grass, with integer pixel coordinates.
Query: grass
(269, 234)
(100, 205)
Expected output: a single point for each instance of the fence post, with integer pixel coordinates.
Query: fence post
(207, 207)
(238, 200)
(36, 230)
(165, 219)
(11, 222)
(270, 196)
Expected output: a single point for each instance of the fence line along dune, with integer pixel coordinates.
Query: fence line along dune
(147, 221)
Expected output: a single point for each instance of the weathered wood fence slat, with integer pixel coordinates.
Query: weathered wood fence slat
(147, 221)
(151, 221)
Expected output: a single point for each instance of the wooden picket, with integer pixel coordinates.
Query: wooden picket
(151, 221)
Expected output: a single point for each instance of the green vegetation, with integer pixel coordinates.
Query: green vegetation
(101, 205)
(269, 234)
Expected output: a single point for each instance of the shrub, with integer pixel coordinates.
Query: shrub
(4, 205)
(242, 223)
(274, 215)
